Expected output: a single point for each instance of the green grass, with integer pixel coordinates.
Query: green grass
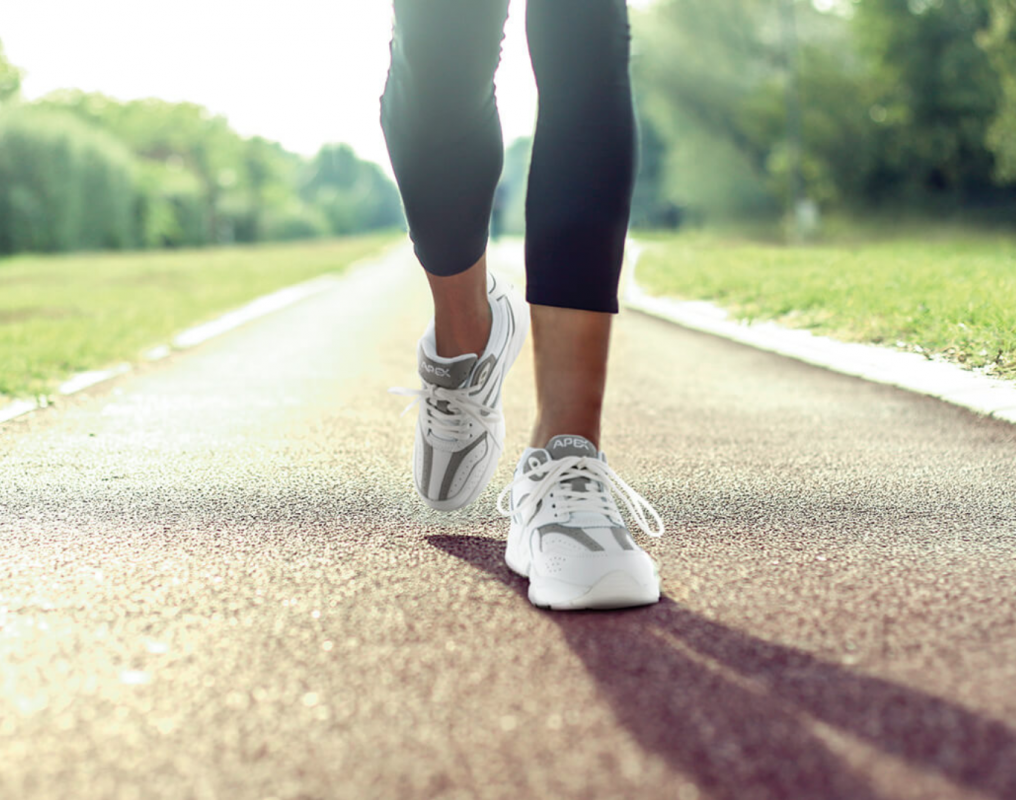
(65, 314)
(939, 291)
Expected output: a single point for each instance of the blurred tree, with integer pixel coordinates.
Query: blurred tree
(171, 208)
(999, 42)
(10, 79)
(260, 161)
(199, 182)
(713, 77)
(905, 103)
(354, 195)
(934, 94)
(171, 133)
(705, 59)
(514, 179)
(295, 219)
(63, 185)
(650, 206)
(265, 186)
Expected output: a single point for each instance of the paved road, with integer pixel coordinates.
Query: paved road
(215, 582)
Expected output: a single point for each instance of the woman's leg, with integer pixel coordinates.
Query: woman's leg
(583, 167)
(444, 138)
(578, 203)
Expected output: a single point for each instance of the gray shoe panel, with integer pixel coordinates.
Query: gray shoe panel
(428, 466)
(623, 538)
(575, 534)
(449, 375)
(455, 462)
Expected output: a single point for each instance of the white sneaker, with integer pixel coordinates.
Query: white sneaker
(567, 536)
(460, 429)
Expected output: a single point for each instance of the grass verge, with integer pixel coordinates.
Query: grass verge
(65, 314)
(944, 293)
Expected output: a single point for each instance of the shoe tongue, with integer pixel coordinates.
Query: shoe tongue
(564, 446)
(451, 373)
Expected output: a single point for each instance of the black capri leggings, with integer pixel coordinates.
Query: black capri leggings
(444, 137)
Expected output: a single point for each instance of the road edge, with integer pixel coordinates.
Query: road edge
(913, 372)
(199, 334)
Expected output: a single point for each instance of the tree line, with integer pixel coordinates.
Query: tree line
(84, 171)
(873, 106)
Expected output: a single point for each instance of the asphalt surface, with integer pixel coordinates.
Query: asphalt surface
(216, 582)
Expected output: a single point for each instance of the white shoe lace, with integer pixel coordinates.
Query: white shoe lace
(553, 475)
(451, 425)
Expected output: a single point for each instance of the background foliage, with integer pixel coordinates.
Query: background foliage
(901, 108)
(63, 185)
(81, 171)
(907, 106)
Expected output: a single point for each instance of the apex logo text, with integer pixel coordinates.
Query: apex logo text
(569, 441)
(436, 371)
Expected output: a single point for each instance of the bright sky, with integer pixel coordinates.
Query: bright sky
(302, 72)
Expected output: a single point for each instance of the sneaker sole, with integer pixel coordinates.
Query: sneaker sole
(616, 589)
(613, 590)
(512, 353)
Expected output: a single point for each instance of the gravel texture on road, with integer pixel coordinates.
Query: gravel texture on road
(216, 581)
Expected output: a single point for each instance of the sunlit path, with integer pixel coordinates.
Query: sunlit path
(217, 582)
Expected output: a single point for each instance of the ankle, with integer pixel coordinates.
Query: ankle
(460, 331)
(462, 314)
(570, 349)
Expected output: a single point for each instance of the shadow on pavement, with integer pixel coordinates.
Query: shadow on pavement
(736, 713)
